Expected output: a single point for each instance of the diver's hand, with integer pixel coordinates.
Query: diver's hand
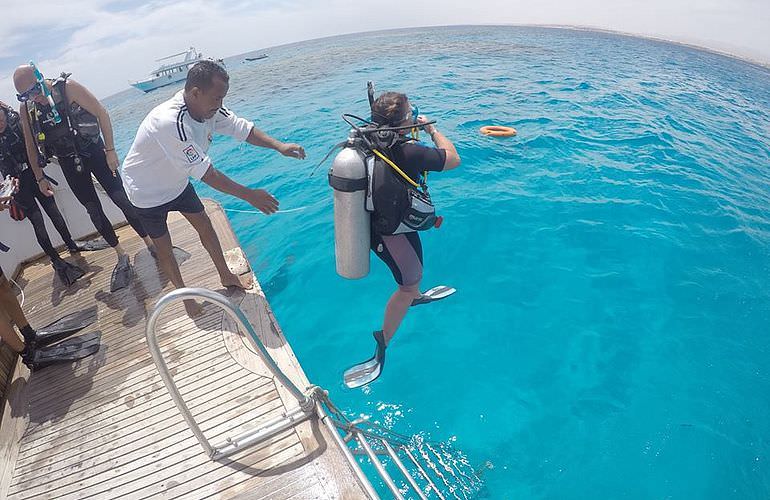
(112, 160)
(292, 150)
(263, 201)
(421, 120)
(45, 187)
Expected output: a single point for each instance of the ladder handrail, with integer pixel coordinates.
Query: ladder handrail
(306, 403)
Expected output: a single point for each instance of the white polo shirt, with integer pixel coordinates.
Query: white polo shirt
(170, 147)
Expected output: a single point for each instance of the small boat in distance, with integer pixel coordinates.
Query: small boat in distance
(256, 58)
(170, 73)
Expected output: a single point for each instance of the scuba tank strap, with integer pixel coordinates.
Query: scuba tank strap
(395, 167)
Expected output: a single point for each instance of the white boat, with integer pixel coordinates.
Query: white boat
(170, 73)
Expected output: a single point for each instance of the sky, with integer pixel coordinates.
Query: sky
(107, 43)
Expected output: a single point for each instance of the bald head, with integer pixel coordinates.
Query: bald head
(23, 77)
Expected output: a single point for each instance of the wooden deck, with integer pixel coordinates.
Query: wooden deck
(106, 427)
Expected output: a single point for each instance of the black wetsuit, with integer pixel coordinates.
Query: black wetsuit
(402, 253)
(13, 162)
(80, 154)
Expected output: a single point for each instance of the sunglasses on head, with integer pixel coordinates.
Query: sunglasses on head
(30, 93)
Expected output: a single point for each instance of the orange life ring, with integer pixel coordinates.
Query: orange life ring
(498, 131)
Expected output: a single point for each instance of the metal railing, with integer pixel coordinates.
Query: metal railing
(372, 440)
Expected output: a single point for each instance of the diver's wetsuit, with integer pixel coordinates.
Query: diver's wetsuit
(80, 154)
(13, 162)
(93, 160)
(27, 194)
(402, 253)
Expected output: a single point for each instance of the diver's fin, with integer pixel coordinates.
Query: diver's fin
(69, 350)
(121, 275)
(181, 255)
(65, 326)
(367, 371)
(67, 273)
(90, 245)
(434, 294)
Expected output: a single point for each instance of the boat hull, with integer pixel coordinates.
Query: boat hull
(161, 81)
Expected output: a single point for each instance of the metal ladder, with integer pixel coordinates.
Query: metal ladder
(426, 470)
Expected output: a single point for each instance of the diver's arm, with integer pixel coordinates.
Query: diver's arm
(81, 95)
(441, 142)
(32, 152)
(258, 138)
(258, 198)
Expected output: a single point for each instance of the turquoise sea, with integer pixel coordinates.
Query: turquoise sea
(609, 337)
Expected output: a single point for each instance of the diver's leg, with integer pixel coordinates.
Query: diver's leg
(113, 186)
(83, 188)
(11, 314)
(405, 251)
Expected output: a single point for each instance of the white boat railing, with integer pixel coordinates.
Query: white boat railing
(443, 472)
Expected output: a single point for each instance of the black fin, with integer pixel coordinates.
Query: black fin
(72, 349)
(65, 326)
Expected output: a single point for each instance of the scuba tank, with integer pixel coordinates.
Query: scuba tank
(372, 193)
(352, 237)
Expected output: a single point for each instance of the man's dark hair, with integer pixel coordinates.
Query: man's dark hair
(202, 75)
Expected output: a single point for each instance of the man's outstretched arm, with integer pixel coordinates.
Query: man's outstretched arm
(258, 138)
(258, 198)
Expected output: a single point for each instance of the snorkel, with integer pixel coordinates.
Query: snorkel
(46, 92)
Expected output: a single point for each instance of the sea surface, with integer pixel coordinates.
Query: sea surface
(609, 337)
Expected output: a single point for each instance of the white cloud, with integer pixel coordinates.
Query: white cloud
(105, 49)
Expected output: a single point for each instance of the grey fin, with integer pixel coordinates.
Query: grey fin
(181, 255)
(67, 273)
(65, 326)
(434, 294)
(121, 275)
(68, 350)
(90, 245)
(367, 371)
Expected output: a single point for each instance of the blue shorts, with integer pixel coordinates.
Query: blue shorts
(154, 219)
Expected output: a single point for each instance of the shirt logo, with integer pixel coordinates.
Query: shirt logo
(191, 154)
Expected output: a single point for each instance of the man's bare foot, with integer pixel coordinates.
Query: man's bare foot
(193, 308)
(233, 280)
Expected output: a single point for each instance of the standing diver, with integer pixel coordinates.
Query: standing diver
(64, 119)
(14, 163)
(398, 204)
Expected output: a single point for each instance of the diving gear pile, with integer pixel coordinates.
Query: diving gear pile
(39, 350)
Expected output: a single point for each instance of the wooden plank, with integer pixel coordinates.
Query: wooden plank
(111, 462)
(150, 408)
(12, 425)
(111, 429)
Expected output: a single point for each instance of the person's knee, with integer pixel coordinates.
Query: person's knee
(94, 209)
(410, 291)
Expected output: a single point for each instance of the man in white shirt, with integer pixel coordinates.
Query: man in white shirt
(171, 146)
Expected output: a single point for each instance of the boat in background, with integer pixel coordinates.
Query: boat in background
(256, 58)
(170, 73)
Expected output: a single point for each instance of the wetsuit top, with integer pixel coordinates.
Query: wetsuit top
(414, 159)
(59, 138)
(13, 153)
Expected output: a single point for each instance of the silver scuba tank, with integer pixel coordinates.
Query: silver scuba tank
(351, 220)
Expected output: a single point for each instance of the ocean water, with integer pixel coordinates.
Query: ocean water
(609, 337)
